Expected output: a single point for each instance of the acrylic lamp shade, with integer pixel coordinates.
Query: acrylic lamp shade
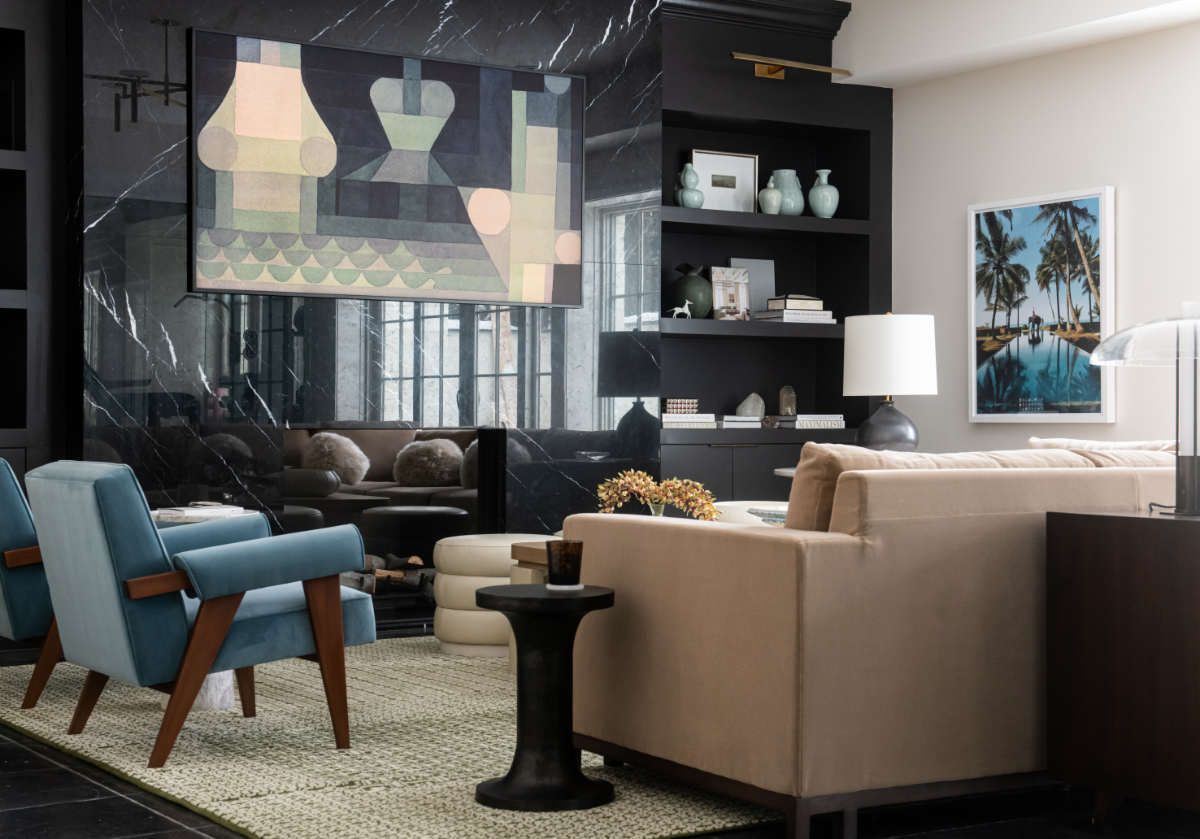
(1169, 342)
(889, 355)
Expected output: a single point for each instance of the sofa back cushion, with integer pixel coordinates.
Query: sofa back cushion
(1137, 458)
(293, 445)
(810, 504)
(380, 446)
(463, 436)
(1100, 445)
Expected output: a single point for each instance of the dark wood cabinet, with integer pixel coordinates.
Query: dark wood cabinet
(1123, 655)
(711, 467)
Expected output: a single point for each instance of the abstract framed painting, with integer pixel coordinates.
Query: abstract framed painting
(1040, 292)
(328, 171)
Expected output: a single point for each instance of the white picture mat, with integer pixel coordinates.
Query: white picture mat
(744, 168)
(1106, 230)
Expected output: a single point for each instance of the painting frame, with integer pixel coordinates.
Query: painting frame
(1105, 232)
(577, 179)
(731, 282)
(742, 167)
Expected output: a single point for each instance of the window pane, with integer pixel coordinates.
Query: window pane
(430, 402)
(450, 401)
(407, 348)
(485, 350)
(543, 407)
(406, 400)
(391, 350)
(507, 338)
(485, 401)
(508, 400)
(431, 346)
(391, 401)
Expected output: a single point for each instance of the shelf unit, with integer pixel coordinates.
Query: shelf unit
(804, 123)
(15, 299)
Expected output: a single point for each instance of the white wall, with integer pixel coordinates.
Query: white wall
(1125, 113)
(899, 42)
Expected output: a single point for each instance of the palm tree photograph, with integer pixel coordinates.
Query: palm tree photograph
(1041, 299)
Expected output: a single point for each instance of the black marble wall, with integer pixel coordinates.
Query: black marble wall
(195, 390)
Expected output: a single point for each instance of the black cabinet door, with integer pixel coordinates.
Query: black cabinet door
(754, 477)
(710, 465)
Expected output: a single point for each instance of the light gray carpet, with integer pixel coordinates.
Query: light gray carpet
(425, 728)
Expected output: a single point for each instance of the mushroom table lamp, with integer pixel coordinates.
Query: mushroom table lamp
(1169, 342)
(889, 355)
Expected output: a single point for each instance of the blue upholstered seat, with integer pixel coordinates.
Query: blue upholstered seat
(252, 598)
(24, 599)
(272, 623)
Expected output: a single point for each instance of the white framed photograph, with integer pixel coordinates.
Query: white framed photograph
(1040, 274)
(731, 293)
(728, 180)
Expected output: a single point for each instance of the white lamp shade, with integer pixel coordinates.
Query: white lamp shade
(892, 355)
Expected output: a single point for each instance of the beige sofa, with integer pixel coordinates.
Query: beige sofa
(896, 654)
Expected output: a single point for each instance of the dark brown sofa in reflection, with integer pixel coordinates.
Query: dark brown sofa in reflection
(341, 503)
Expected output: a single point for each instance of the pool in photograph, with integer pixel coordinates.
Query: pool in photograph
(1038, 373)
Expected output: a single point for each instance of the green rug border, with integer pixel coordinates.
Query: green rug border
(231, 826)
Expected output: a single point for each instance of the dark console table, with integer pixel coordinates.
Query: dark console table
(1123, 657)
(545, 772)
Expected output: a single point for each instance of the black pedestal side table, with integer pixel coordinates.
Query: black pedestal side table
(545, 772)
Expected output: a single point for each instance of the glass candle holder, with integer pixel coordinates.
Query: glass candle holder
(563, 561)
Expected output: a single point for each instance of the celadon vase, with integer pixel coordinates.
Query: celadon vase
(688, 195)
(769, 198)
(791, 198)
(823, 197)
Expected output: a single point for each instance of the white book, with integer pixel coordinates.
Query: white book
(820, 424)
(794, 316)
(712, 424)
(689, 417)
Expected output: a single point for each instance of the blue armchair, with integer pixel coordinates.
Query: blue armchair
(24, 600)
(116, 582)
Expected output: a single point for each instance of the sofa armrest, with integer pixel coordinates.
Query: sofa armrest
(708, 618)
(206, 534)
(230, 569)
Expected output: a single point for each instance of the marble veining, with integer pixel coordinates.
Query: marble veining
(195, 390)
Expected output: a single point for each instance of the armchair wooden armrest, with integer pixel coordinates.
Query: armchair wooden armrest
(18, 557)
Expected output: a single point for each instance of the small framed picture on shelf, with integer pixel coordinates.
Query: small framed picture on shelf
(731, 293)
(728, 180)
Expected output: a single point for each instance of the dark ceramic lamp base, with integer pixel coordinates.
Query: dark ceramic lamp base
(888, 428)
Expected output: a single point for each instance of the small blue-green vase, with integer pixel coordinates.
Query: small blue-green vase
(791, 201)
(823, 197)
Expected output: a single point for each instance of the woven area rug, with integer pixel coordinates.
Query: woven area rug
(424, 729)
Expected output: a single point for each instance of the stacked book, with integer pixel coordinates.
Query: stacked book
(741, 422)
(689, 420)
(796, 308)
(813, 421)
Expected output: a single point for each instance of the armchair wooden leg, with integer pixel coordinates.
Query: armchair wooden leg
(93, 685)
(324, 598)
(208, 633)
(245, 682)
(50, 655)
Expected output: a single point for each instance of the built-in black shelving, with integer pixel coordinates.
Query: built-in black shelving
(749, 328)
(755, 436)
(803, 122)
(725, 222)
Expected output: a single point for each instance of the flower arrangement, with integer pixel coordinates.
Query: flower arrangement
(687, 495)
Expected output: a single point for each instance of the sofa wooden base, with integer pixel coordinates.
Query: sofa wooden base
(798, 812)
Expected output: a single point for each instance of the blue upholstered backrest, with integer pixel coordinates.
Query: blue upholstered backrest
(24, 601)
(95, 532)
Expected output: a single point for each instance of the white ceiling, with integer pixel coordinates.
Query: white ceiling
(892, 43)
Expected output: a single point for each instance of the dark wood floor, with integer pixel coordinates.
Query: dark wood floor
(45, 794)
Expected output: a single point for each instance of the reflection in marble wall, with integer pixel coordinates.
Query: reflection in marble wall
(194, 390)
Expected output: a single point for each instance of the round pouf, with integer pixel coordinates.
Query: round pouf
(294, 518)
(409, 531)
(465, 564)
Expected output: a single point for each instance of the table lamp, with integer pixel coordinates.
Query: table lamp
(1169, 342)
(889, 355)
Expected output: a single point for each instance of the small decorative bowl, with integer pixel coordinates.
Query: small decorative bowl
(591, 455)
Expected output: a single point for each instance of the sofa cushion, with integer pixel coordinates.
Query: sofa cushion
(1100, 445)
(1128, 457)
(810, 503)
(407, 496)
(338, 454)
(380, 446)
(428, 463)
(463, 436)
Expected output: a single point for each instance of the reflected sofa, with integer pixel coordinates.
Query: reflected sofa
(888, 645)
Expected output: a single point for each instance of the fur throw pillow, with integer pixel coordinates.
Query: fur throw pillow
(338, 454)
(428, 463)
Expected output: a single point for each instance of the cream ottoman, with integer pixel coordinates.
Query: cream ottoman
(465, 564)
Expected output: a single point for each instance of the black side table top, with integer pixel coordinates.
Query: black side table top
(535, 598)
